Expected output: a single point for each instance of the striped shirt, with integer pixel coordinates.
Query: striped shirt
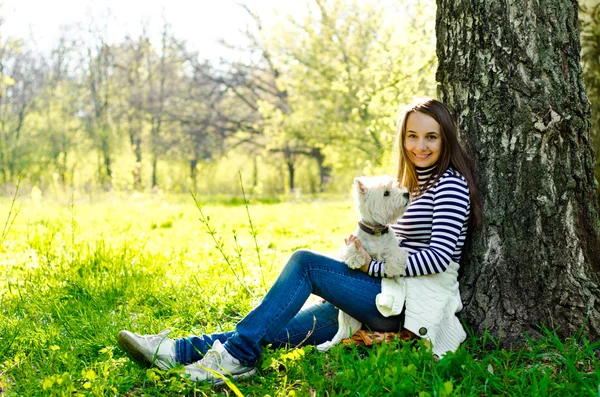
(434, 226)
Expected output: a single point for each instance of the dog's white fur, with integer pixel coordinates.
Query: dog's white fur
(380, 201)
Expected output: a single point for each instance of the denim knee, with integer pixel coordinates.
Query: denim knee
(301, 255)
(303, 258)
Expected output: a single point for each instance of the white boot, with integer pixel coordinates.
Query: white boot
(150, 349)
(218, 360)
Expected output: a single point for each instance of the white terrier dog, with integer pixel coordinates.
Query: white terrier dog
(380, 201)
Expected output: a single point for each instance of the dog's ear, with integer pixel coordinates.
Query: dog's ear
(359, 186)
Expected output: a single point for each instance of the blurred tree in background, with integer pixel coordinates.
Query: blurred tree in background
(22, 78)
(589, 18)
(309, 102)
(348, 72)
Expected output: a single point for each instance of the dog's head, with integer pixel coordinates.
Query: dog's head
(380, 199)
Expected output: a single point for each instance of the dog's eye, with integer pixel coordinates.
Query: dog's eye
(386, 193)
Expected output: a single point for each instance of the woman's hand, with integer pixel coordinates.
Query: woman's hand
(354, 240)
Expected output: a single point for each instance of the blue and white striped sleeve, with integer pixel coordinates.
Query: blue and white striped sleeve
(451, 208)
(376, 268)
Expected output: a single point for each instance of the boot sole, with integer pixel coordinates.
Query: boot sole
(220, 382)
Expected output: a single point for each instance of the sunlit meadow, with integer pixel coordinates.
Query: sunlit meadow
(74, 271)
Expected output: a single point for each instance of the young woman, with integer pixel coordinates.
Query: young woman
(435, 168)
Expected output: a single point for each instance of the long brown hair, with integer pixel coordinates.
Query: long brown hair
(453, 154)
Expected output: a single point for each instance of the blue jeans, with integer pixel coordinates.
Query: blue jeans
(278, 319)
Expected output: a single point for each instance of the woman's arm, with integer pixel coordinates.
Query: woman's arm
(450, 214)
(451, 211)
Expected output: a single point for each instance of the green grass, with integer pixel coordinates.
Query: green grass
(72, 276)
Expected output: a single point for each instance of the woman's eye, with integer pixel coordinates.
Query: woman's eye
(386, 193)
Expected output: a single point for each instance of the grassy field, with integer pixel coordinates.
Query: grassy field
(73, 275)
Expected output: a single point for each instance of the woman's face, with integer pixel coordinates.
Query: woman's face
(422, 139)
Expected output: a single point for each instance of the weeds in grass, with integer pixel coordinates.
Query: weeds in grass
(219, 244)
(253, 233)
(238, 251)
(73, 219)
(10, 218)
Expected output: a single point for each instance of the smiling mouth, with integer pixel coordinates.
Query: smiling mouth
(423, 156)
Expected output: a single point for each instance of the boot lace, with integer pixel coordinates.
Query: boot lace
(212, 359)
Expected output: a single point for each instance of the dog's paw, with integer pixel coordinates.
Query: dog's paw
(395, 263)
(351, 256)
(355, 262)
(346, 251)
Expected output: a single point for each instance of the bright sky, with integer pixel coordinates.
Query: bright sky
(200, 22)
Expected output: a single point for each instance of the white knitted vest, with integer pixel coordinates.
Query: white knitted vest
(432, 302)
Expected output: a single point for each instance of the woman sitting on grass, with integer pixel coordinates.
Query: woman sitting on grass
(435, 168)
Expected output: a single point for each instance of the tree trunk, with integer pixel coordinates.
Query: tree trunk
(106, 175)
(60, 163)
(194, 173)
(108, 169)
(135, 139)
(511, 71)
(289, 158)
(324, 172)
(291, 171)
(154, 171)
(254, 172)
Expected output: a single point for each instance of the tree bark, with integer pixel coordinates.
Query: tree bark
(254, 172)
(324, 172)
(291, 174)
(135, 140)
(105, 149)
(158, 110)
(511, 71)
(194, 173)
(154, 171)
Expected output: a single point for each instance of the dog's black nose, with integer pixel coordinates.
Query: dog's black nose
(406, 196)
